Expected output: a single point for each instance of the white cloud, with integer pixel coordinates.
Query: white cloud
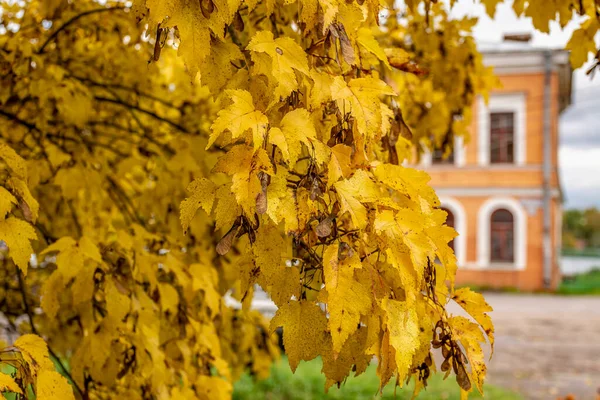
(580, 176)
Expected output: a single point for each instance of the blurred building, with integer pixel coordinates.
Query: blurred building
(501, 188)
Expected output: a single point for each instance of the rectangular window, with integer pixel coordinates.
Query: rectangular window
(437, 157)
(502, 133)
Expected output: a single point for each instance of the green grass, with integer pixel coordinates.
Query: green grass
(308, 384)
(488, 288)
(589, 252)
(588, 283)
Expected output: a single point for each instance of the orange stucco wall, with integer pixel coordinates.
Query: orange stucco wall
(530, 177)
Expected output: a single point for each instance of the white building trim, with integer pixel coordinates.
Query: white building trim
(506, 61)
(459, 151)
(483, 234)
(460, 225)
(493, 191)
(502, 102)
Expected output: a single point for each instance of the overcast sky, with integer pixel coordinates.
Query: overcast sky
(580, 123)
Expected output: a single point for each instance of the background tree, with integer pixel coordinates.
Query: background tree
(288, 130)
(582, 225)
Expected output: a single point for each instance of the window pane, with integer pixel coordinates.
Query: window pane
(502, 137)
(502, 236)
(502, 216)
(437, 157)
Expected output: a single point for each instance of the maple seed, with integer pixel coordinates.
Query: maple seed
(226, 241)
(324, 228)
(238, 22)
(157, 46)
(261, 198)
(207, 7)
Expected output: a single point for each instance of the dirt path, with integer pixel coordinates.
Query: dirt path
(546, 346)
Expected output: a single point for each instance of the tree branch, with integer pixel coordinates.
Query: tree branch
(142, 110)
(72, 20)
(123, 87)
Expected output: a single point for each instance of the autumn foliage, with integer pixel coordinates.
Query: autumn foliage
(161, 158)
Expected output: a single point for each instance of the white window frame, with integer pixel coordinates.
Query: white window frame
(484, 225)
(460, 225)
(503, 102)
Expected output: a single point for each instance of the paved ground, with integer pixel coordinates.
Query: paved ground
(546, 346)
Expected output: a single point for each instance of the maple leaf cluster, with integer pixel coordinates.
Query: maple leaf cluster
(160, 158)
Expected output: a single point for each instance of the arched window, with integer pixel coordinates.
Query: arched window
(450, 223)
(502, 236)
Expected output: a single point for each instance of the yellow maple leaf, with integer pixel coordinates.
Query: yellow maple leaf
(6, 202)
(7, 383)
(72, 255)
(347, 298)
(27, 203)
(244, 164)
(14, 161)
(218, 67)
(296, 129)
(441, 236)
(226, 209)
(339, 163)
(117, 304)
(304, 330)
(490, 7)
(205, 278)
(320, 90)
(474, 303)
(270, 250)
(169, 298)
(403, 325)
(193, 27)
(287, 56)
(213, 387)
(582, 42)
(409, 182)
(367, 41)
(50, 385)
(352, 357)
(51, 291)
(353, 192)
(360, 97)
(471, 337)
(239, 117)
(202, 196)
(18, 234)
(386, 367)
(35, 352)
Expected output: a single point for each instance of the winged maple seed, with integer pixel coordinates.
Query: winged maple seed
(146, 196)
